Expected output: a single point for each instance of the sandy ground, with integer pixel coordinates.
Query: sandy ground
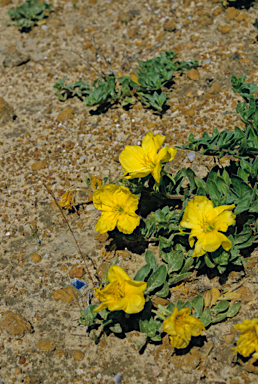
(43, 140)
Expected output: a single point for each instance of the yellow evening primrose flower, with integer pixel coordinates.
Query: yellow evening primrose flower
(122, 293)
(205, 222)
(118, 206)
(247, 343)
(181, 327)
(141, 161)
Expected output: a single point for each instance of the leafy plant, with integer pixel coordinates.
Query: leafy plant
(146, 85)
(29, 13)
(240, 142)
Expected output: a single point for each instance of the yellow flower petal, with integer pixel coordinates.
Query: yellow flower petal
(122, 293)
(151, 143)
(118, 207)
(181, 327)
(139, 161)
(247, 342)
(107, 222)
(205, 222)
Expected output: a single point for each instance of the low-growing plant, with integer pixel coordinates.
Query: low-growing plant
(29, 13)
(201, 225)
(145, 85)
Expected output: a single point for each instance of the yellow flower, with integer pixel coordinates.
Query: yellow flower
(205, 222)
(66, 200)
(118, 206)
(181, 327)
(141, 161)
(248, 341)
(122, 293)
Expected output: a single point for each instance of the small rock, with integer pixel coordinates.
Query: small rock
(45, 346)
(160, 300)
(6, 112)
(118, 378)
(14, 324)
(190, 112)
(155, 370)
(22, 360)
(214, 89)
(193, 74)
(65, 115)
(3, 3)
(76, 272)
(169, 26)
(78, 355)
(66, 295)
(17, 371)
(15, 58)
(191, 156)
(41, 164)
(224, 28)
(231, 13)
(35, 257)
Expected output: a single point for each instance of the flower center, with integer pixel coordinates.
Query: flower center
(208, 226)
(118, 292)
(119, 209)
(148, 162)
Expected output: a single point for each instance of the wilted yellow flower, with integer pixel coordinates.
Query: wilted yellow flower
(247, 343)
(122, 293)
(66, 200)
(181, 327)
(118, 206)
(141, 161)
(205, 222)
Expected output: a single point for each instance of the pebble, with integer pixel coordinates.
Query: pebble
(14, 324)
(65, 115)
(76, 272)
(193, 74)
(191, 156)
(36, 258)
(66, 295)
(118, 378)
(6, 112)
(45, 346)
(169, 26)
(78, 355)
(224, 28)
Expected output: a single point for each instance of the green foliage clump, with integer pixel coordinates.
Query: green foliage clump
(146, 85)
(29, 13)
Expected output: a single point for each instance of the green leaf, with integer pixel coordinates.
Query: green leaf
(208, 261)
(88, 316)
(150, 327)
(151, 259)
(254, 206)
(221, 269)
(206, 317)
(240, 187)
(233, 310)
(164, 291)
(113, 262)
(156, 338)
(221, 307)
(171, 306)
(157, 278)
(219, 318)
(198, 305)
(179, 304)
(116, 328)
(188, 263)
(142, 273)
(175, 261)
(176, 278)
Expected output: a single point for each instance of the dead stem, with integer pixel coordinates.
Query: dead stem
(76, 242)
